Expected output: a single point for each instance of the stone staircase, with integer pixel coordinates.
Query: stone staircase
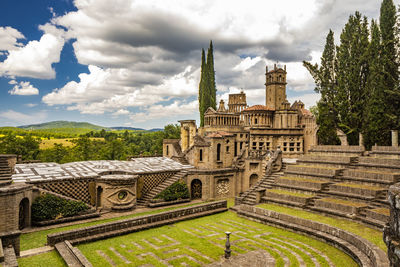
(5, 171)
(341, 182)
(145, 199)
(250, 196)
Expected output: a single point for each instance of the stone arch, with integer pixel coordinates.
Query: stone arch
(196, 188)
(23, 216)
(253, 179)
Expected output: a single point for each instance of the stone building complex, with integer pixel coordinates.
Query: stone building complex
(231, 151)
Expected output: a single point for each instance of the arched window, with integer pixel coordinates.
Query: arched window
(218, 152)
(201, 155)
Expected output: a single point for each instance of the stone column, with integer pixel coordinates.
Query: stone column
(360, 139)
(395, 138)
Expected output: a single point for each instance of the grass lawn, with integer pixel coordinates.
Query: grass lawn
(359, 229)
(46, 259)
(202, 241)
(39, 238)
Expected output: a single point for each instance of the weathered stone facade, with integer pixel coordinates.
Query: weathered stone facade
(231, 151)
(391, 234)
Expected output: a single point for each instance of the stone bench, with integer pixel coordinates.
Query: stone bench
(357, 190)
(302, 183)
(313, 171)
(288, 198)
(340, 207)
(370, 176)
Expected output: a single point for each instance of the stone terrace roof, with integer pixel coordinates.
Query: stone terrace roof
(258, 108)
(50, 171)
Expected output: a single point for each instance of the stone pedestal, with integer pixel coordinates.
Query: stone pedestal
(360, 139)
(395, 138)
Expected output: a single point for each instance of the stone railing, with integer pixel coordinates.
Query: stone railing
(360, 249)
(391, 232)
(126, 226)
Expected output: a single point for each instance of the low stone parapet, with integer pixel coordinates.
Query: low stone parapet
(360, 249)
(326, 160)
(385, 151)
(337, 150)
(111, 229)
(338, 206)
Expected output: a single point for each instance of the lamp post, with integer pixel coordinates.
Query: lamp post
(227, 246)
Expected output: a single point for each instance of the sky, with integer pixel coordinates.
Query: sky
(136, 63)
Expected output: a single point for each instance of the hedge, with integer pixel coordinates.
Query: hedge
(177, 190)
(50, 207)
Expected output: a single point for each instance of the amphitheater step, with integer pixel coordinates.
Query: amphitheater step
(307, 171)
(364, 191)
(307, 184)
(371, 176)
(340, 207)
(289, 198)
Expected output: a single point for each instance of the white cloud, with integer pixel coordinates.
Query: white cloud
(9, 37)
(309, 100)
(24, 88)
(121, 112)
(35, 59)
(31, 105)
(22, 118)
(159, 111)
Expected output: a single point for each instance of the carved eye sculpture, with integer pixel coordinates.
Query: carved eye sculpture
(122, 196)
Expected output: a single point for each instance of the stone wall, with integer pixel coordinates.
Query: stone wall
(77, 188)
(391, 232)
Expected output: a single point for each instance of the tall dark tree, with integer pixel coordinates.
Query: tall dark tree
(324, 76)
(352, 75)
(212, 89)
(387, 22)
(376, 127)
(207, 88)
(202, 87)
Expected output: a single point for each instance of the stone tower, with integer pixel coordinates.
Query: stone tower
(237, 102)
(275, 88)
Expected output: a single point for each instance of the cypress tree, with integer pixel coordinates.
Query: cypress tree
(325, 80)
(387, 21)
(376, 128)
(212, 90)
(207, 88)
(201, 87)
(352, 76)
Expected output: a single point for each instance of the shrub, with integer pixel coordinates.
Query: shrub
(177, 190)
(50, 207)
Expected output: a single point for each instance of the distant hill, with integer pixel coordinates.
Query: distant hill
(62, 124)
(127, 128)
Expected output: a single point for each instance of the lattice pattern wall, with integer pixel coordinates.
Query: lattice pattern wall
(76, 189)
(152, 180)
